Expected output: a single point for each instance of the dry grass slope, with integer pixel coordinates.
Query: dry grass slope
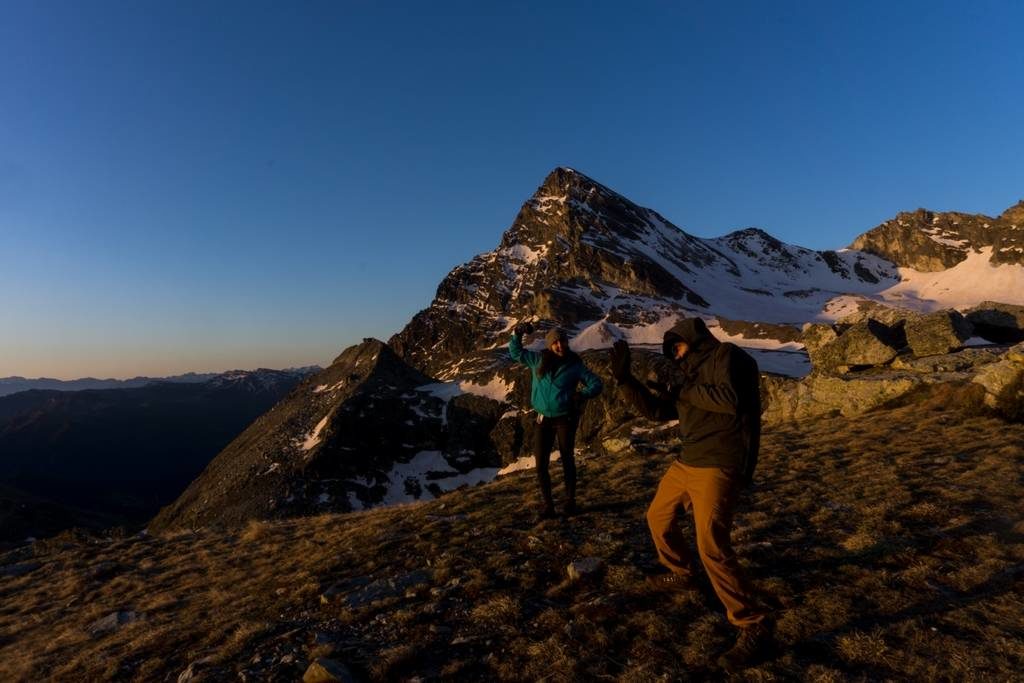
(896, 541)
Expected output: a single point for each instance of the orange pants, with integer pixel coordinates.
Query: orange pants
(711, 494)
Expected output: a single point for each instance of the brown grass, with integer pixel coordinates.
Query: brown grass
(896, 541)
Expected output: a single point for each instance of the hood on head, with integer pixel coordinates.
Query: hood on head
(693, 331)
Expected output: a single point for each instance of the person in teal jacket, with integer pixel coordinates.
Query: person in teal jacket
(556, 374)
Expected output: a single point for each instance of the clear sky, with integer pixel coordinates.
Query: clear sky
(193, 185)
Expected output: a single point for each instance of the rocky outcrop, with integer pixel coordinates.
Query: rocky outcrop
(815, 337)
(822, 395)
(938, 333)
(1004, 383)
(997, 322)
(931, 241)
(865, 344)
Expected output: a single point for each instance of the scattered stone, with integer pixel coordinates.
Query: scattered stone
(615, 445)
(937, 333)
(113, 622)
(362, 591)
(587, 567)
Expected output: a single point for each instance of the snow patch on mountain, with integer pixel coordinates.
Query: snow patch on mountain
(411, 481)
(962, 286)
(313, 438)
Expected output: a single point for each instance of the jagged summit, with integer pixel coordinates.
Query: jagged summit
(1014, 215)
(580, 254)
(930, 241)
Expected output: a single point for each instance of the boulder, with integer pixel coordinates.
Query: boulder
(998, 322)
(938, 333)
(864, 344)
(815, 336)
(1004, 383)
(823, 395)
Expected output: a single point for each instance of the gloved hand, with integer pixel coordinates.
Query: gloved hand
(523, 328)
(620, 361)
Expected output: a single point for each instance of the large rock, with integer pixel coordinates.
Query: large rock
(815, 337)
(937, 333)
(998, 322)
(873, 310)
(864, 344)
(1004, 383)
(823, 395)
(964, 360)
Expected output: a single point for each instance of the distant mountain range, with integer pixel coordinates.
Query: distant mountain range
(441, 404)
(12, 385)
(117, 455)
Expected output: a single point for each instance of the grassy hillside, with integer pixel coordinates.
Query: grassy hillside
(894, 543)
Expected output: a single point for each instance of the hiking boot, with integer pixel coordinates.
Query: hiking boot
(546, 512)
(670, 581)
(570, 509)
(751, 646)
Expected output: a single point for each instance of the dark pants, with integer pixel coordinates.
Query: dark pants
(564, 427)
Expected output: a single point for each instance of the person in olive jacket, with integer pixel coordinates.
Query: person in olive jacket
(556, 373)
(718, 405)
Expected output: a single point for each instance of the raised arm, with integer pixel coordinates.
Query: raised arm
(635, 394)
(530, 359)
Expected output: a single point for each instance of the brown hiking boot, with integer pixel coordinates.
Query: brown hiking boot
(751, 646)
(670, 581)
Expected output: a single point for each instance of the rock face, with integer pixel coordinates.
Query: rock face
(935, 334)
(929, 241)
(368, 429)
(584, 257)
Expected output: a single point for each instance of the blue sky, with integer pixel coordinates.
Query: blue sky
(213, 185)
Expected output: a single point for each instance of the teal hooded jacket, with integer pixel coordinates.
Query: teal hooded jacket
(552, 394)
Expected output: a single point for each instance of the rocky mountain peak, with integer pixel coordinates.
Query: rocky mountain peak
(932, 241)
(579, 255)
(1014, 215)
